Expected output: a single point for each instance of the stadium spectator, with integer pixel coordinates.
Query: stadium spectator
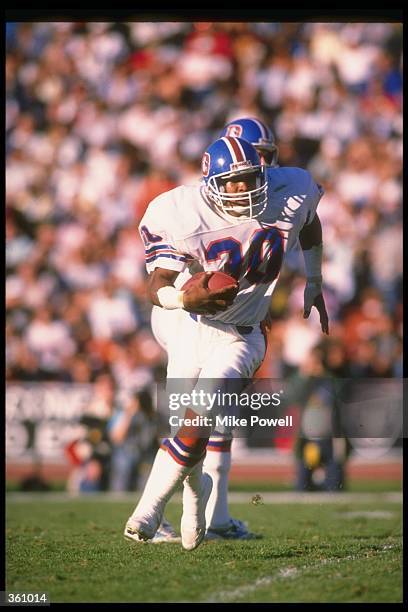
(133, 434)
(90, 454)
(321, 449)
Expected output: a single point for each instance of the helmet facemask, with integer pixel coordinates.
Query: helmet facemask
(240, 205)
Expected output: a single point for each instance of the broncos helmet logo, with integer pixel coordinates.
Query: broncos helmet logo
(234, 130)
(205, 164)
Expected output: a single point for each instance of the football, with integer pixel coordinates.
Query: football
(217, 281)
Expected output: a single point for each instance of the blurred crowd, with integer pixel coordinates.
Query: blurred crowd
(118, 442)
(102, 117)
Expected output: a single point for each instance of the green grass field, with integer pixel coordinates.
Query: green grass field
(314, 552)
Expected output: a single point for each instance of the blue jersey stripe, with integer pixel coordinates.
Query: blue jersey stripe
(168, 255)
(159, 247)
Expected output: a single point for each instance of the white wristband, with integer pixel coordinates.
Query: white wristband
(313, 263)
(170, 298)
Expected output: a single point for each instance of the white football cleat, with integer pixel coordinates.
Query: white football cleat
(193, 519)
(143, 529)
(165, 534)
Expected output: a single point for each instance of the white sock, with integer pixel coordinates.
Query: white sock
(164, 478)
(192, 488)
(217, 465)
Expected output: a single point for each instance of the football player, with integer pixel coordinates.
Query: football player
(241, 220)
(217, 462)
(258, 134)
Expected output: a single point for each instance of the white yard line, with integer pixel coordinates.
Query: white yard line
(285, 573)
(369, 514)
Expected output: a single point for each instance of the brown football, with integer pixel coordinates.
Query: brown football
(217, 281)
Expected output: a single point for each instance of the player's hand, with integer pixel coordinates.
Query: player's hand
(313, 296)
(200, 300)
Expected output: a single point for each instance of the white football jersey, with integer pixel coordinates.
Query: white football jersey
(183, 231)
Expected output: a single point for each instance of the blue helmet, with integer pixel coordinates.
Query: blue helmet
(228, 159)
(258, 134)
